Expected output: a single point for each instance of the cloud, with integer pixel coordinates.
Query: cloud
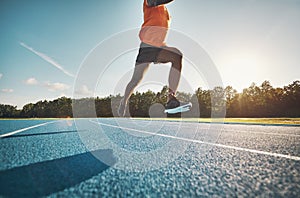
(31, 81)
(56, 86)
(1, 75)
(48, 59)
(83, 90)
(7, 90)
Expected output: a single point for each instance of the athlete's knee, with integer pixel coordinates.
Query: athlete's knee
(177, 59)
(176, 52)
(179, 53)
(179, 56)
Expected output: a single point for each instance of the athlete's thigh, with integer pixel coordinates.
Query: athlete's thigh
(168, 54)
(148, 53)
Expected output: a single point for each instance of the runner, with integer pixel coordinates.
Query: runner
(153, 49)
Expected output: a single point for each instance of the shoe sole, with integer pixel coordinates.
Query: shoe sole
(180, 109)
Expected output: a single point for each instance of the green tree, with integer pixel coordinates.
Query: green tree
(250, 103)
(292, 99)
(8, 111)
(232, 101)
(204, 101)
(28, 111)
(254, 101)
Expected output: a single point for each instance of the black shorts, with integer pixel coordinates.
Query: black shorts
(164, 54)
(148, 53)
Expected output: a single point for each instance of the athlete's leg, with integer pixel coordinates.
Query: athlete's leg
(173, 55)
(138, 74)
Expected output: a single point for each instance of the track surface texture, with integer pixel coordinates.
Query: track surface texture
(147, 158)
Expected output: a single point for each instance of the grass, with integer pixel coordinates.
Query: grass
(270, 121)
(291, 121)
(32, 118)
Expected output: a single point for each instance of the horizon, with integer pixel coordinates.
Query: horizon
(144, 91)
(41, 52)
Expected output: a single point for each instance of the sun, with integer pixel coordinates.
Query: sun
(244, 60)
(242, 68)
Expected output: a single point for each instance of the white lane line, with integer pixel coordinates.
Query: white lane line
(24, 129)
(207, 143)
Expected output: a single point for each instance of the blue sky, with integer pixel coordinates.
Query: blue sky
(43, 43)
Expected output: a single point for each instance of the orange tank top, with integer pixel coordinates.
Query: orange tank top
(155, 27)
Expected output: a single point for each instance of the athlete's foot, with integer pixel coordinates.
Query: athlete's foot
(121, 109)
(174, 106)
(173, 102)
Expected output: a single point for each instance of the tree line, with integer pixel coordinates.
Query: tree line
(254, 101)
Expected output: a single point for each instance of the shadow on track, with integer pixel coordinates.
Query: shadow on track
(45, 133)
(44, 178)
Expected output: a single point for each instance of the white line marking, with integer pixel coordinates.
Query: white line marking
(207, 143)
(24, 129)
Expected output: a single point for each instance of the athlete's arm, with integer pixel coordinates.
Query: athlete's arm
(153, 3)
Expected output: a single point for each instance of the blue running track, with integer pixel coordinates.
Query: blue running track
(146, 158)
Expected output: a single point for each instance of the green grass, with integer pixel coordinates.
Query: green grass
(272, 121)
(31, 118)
(291, 121)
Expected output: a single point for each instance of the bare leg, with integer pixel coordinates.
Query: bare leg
(174, 77)
(137, 76)
(173, 55)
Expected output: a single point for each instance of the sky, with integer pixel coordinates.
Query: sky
(45, 43)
